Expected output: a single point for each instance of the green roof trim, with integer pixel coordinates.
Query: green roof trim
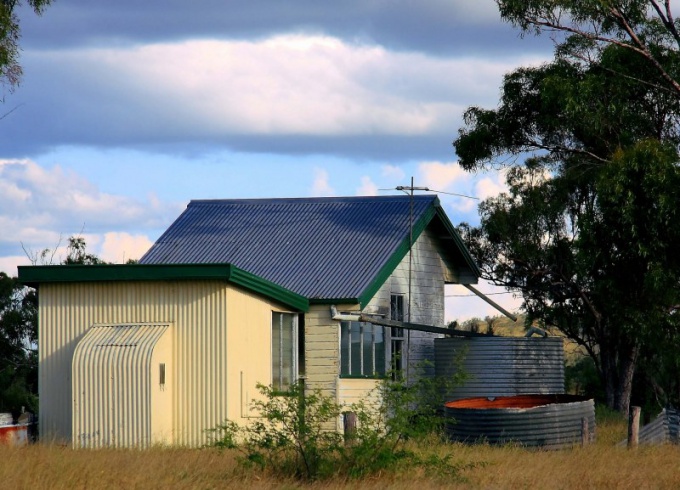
(403, 248)
(36, 275)
(398, 255)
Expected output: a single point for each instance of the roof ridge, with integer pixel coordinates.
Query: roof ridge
(423, 197)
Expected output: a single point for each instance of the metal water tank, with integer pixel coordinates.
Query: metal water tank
(501, 366)
(547, 421)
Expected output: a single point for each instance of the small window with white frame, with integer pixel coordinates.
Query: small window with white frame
(362, 350)
(284, 350)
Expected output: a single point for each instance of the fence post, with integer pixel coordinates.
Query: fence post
(349, 422)
(633, 427)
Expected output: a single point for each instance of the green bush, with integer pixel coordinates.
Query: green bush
(295, 433)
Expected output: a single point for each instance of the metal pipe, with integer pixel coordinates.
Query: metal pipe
(492, 302)
(343, 317)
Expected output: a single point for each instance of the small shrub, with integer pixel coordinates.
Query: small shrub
(295, 434)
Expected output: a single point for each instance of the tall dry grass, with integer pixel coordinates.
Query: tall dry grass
(602, 465)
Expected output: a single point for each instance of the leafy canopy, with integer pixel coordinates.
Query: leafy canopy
(10, 33)
(589, 143)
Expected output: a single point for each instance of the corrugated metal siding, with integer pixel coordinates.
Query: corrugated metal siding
(208, 357)
(112, 386)
(66, 311)
(665, 428)
(311, 246)
(502, 366)
(554, 424)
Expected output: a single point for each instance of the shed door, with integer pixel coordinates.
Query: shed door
(112, 389)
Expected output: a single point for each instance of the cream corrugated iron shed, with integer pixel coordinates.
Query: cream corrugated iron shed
(133, 355)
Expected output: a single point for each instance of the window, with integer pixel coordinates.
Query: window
(397, 360)
(284, 350)
(362, 349)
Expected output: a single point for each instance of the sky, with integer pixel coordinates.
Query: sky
(127, 110)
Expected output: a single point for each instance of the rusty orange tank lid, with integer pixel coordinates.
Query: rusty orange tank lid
(519, 401)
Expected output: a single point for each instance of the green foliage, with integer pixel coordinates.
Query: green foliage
(295, 434)
(10, 70)
(76, 253)
(587, 231)
(18, 349)
(582, 378)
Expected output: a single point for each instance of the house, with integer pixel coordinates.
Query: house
(237, 292)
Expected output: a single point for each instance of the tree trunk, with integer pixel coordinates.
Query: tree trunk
(609, 377)
(625, 384)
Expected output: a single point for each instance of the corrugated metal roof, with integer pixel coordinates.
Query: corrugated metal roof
(321, 248)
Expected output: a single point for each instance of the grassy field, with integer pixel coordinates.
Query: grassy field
(601, 465)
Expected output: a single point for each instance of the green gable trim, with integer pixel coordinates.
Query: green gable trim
(398, 255)
(36, 275)
(268, 289)
(403, 248)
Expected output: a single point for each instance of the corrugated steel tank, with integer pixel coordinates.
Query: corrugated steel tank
(501, 366)
(548, 421)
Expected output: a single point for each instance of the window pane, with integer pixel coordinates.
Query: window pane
(397, 307)
(368, 350)
(344, 348)
(379, 347)
(287, 349)
(355, 358)
(276, 350)
(283, 350)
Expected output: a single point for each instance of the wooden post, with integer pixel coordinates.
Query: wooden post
(633, 427)
(349, 421)
(585, 432)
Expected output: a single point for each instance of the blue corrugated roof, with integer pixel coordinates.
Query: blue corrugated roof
(320, 248)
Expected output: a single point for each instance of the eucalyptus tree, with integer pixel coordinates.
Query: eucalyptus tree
(588, 228)
(10, 33)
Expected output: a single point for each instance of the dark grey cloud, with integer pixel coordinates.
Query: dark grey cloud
(441, 27)
(68, 97)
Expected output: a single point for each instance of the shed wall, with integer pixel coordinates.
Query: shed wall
(203, 376)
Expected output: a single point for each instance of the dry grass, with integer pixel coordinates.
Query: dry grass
(601, 465)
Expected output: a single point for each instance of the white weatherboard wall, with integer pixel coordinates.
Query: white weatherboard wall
(427, 307)
(221, 347)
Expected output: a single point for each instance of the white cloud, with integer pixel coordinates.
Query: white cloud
(492, 185)
(441, 176)
(320, 186)
(9, 264)
(120, 247)
(367, 188)
(47, 205)
(291, 84)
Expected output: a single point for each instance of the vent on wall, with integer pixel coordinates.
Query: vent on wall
(161, 374)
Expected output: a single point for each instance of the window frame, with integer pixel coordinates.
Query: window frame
(397, 336)
(346, 355)
(278, 385)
